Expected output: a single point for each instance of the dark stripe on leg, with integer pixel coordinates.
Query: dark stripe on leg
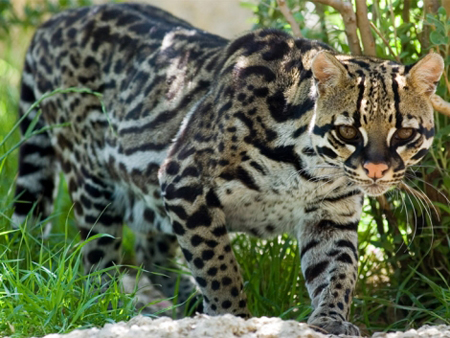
(315, 270)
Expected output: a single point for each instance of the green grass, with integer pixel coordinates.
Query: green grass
(273, 281)
(42, 288)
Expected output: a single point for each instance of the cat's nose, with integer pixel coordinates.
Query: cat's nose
(375, 170)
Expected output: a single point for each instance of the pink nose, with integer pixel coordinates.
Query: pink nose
(375, 170)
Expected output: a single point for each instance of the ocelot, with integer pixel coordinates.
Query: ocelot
(200, 136)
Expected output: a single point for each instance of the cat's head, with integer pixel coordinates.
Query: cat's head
(373, 118)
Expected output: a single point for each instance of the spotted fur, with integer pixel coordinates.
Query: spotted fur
(203, 136)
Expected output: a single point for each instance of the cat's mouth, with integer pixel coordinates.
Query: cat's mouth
(375, 189)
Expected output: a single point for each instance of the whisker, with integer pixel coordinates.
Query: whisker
(428, 211)
(431, 186)
(415, 228)
(304, 170)
(422, 198)
(431, 222)
(330, 191)
(403, 243)
(414, 211)
(327, 182)
(402, 198)
(425, 198)
(399, 192)
(427, 166)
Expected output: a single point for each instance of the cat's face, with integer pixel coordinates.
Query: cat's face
(373, 118)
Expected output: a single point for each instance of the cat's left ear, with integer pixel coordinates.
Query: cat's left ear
(425, 74)
(327, 70)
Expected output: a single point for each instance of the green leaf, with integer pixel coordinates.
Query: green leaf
(438, 24)
(437, 38)
(446, 180)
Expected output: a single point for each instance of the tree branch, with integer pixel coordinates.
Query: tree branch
(406, 18)
(391, 10)
(287, 13)
(446, 5)
(386, 42)
(405, 11)
(323, 26)
(364, 28)
(349, 17)
(429, 7)
(440, 105)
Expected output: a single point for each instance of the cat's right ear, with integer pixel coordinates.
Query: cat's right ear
(327, 70)
(425, 74)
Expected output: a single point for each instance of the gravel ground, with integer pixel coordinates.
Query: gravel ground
(203, 326)
(226, 326)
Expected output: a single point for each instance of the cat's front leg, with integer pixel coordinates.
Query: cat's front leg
(329, 261)
(198, 221)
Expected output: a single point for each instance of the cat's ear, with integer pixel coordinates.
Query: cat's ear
(327, 70)
(425, 74)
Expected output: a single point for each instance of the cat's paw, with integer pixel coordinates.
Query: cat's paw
(330, 325)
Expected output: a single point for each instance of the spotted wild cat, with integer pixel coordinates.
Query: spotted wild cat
(264, 134)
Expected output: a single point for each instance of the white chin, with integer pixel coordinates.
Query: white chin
(374, 189)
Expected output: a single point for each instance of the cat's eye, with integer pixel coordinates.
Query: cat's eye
(404, 134)
(348, 133)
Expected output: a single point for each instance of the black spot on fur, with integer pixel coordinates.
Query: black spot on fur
(347, 295)
(212, 200)
(207, 255)
(26, 93)
(234, 292)
(190, 171)
(220, 231)
(95, 256)
(215, 285)
(211, 243)
(187, 254)
(163, 247)
(212, 271)
(226, 281)
(202, 282)
(277, 51)
(178, 210)
(199, 218)
(106, 240)
(265, 72)
(196, 240)
(198, 262)
(149, 215)
(188, 193)
(178, 228)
